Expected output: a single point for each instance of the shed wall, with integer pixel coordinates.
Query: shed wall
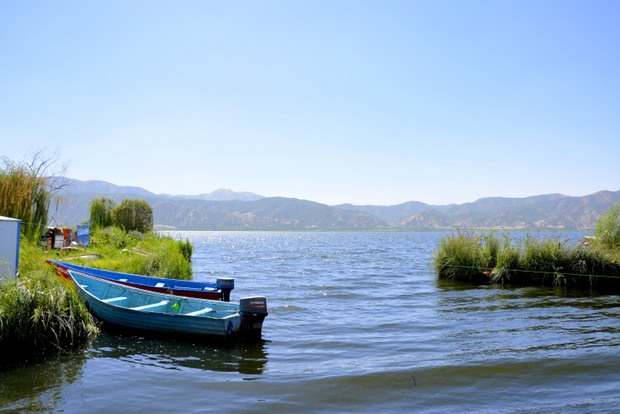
(9, 247)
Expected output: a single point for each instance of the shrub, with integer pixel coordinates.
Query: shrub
(101, 212)
(133, 215)
(607, 230)
(111, 237)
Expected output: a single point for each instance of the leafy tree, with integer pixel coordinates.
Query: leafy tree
(101, 212)
(607, 228)
(134, 215)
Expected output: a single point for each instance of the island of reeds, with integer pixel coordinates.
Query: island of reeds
(492, 258)
(39, 315)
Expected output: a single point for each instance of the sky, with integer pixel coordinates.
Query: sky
(362, 102)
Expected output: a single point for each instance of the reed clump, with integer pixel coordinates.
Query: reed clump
(498, 259)
(39, 316)
(25, 196)
(607, 233)
(460, 257)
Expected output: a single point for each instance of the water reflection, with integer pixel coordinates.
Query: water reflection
(245, 358)
(33, 387)
(491, 321)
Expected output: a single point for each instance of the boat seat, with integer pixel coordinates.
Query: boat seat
(200, 312)
(151, 305)
(114, 299)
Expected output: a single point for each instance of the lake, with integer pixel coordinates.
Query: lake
(358, 323)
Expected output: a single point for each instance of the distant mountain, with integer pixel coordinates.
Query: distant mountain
(271, 213)
(100, 187)
(553, 211)
(237, 211)
(229, 210)
(426, 220)
(227, 195)
(390, 213)
(73, 186)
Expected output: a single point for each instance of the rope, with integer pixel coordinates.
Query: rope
(556, 273)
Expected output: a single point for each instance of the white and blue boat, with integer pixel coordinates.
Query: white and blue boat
(137, 309)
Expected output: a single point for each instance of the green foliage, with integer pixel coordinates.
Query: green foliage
(134, 215)
(187, 249)
(460, 257)
(26, 197)
(31, 257)
(549, 262)
(101, 212)
(111, 239)
(607, 230)
(144, 254)
(38, 315)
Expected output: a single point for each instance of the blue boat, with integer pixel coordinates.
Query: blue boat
(141, 310)
(220, 290)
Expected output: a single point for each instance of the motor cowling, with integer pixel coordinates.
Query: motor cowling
(225, 285)
(253, 311)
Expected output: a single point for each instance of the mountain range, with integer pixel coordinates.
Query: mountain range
(229, 210)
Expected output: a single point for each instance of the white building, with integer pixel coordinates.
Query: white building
(9, 247)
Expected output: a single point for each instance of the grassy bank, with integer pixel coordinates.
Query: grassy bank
(39, 315)
(142, 254)
(498, 259)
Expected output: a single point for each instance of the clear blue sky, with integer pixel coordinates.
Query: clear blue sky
(366, 102)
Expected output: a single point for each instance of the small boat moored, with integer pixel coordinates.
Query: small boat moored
(220, 290)
(142, 310)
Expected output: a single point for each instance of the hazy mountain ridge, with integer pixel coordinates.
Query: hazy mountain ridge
(73, 186)
(552, 211)
(192, 213)
(229, 210)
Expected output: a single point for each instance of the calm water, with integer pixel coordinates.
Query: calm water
(358, 323)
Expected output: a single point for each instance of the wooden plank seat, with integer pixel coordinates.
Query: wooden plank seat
(118, 299)
(200, 312)
(152, 305)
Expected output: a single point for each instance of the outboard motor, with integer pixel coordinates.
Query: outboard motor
(225, 284)
(253, 311)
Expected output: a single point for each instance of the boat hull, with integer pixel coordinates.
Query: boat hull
(137, 309)
(201, 290)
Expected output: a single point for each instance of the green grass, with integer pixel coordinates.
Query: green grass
(39, 315)
(497, 259)
(143, 254)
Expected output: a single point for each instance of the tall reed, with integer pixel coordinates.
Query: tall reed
(26, 197)
(607, 232)
(548, 261)
(187, 249)
(38, 315)
(460, 257)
